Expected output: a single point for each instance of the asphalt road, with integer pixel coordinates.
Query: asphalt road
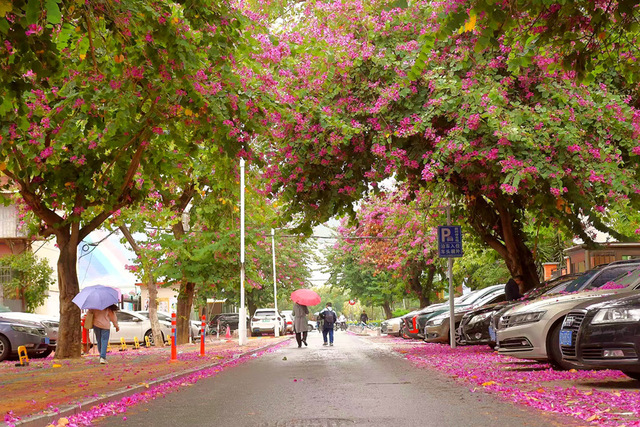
(353, 383)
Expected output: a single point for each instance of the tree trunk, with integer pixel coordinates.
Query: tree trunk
(69, 343)
(494, 221)
(185, 301)
(387, 309)
(152, 288)
(422, 290)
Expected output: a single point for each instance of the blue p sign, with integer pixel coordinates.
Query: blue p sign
(449, 241)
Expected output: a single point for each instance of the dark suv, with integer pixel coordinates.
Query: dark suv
(230, 319)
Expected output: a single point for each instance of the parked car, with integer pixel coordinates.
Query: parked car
(16, 333)
(288, 319)
(604, 335)
(50, 324)
(476, 325)
(531, 331)
(312, 325)
(226, 319)
(135, 325)
(266, 320)
(194, 325)
(391, 326)
(415, 321)
(437, 328)
(407, 327)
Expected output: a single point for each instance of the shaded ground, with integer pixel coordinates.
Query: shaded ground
(47, 383)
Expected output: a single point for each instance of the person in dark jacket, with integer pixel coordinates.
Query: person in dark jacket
(364, 318)
(329, 317)
(513, 287)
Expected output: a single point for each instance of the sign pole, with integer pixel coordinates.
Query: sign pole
(242, 321)
(452, 320)
(276, 329)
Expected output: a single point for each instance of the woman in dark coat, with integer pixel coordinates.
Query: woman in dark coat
(300, 325)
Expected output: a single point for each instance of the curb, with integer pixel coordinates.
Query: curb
(42, 420)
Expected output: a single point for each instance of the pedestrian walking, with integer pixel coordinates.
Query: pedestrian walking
(102, 320)
(512, 289)
(300, 323)
(364, 318)
(329, 317)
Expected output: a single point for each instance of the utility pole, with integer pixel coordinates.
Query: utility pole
(276, 329)
(242, 321)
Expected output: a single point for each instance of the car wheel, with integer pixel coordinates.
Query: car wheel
(43, 354)
(5, 348)
(634, 375)
(553, 349)
(458, 336)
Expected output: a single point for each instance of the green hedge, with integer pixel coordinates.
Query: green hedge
(399, 312)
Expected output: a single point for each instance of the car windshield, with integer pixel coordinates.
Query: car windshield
(578, 283)
(161, 316)
(265, 313)
(624, 280)
(477, 296)
(556, 288)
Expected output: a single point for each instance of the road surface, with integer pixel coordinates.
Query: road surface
(354, 383)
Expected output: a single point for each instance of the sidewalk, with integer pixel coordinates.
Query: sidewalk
(51, 387)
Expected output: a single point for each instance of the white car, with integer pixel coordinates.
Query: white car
(532, 330)
(194, 329)
(391, 326)
(288, 318)
(266, 320)
(134, 325)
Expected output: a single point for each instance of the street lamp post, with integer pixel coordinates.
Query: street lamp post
(276, 329)
(242, 321)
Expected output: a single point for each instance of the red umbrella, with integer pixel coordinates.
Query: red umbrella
(305, 297)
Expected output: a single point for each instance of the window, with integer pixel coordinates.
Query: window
(5, 275)
(603, 258)
(124, 317)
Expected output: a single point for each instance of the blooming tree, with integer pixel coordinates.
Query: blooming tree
(93, 96)
(399, 236)
(501, 140)
(586, 36)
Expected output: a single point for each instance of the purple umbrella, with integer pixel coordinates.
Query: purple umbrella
(96, 297)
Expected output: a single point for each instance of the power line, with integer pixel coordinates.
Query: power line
(339, 237)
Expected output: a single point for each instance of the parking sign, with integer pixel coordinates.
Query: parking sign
(449, 241)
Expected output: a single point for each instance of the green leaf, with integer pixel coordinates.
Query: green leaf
(32, 11)
(53, 12)
(5, 7)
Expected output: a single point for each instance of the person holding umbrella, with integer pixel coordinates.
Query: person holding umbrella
(102, 320)
(101, 302)
(300, 324)
(302, 298)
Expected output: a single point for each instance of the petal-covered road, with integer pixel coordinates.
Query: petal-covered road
(599, 397)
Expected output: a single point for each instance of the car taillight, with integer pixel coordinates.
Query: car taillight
(289, 323)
